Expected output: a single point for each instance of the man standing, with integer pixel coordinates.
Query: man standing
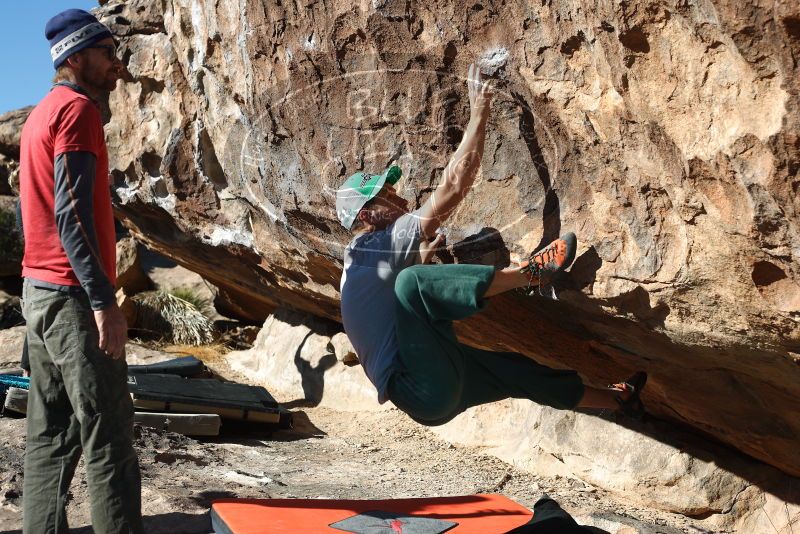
(76, 333)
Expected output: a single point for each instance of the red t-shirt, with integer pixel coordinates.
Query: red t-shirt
(64, 121)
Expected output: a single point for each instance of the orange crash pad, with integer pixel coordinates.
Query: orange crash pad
(476, 514)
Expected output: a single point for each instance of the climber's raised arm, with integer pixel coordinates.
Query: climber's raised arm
(460, 172)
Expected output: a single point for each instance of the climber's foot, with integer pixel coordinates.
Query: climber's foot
(542, 266)
(629, 397)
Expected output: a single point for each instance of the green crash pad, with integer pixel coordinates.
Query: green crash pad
(229, 400)
(187, 366)
(190, 424)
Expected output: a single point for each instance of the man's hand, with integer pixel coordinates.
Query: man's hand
(480, 92)
(428, 248)
(113, 330)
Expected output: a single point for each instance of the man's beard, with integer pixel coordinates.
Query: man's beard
(105, 85)
(99, 83)
(109, 86)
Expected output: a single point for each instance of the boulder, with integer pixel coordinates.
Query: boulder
(239, 305)
(10, 311)
(9, 175)
(128, 307)
(11, 342)
(652, 464)
(343, 349)
(181, 280)
(294, 358)
(11, 246)
(11, 124)
(664, 135)
(131, 278)
(10, 131)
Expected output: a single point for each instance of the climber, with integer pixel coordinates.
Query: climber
(398, 312)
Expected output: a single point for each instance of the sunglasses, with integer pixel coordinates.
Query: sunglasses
(111, 51)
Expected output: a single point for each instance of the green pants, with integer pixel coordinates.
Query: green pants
(78, 402)
(439, 377)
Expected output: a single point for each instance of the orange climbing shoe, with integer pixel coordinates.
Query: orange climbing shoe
(542, 267)
(632, 406)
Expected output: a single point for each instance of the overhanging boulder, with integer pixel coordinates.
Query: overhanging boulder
(297, 358)
(664, 135)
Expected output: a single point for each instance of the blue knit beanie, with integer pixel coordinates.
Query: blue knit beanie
(73, 30)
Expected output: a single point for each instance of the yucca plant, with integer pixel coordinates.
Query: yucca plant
(192, 297)
(172, 318)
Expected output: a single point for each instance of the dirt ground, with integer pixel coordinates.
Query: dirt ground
(328, 454)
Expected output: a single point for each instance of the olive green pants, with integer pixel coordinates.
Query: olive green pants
(439, 377)
(78, 402)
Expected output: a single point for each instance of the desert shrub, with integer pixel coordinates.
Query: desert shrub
(192, 297)
(171, 318)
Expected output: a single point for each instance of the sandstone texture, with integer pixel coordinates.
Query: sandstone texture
(304, 360)
(652, 465)
(11, 246)
(131, 277)
(10, 131)
(664, 134)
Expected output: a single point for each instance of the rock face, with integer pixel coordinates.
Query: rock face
(10, 131)
(131, 277)
(302, 359)
(11, 246)
(663, 134)
(298, 358)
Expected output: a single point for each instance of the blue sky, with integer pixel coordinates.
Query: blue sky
(25, 61)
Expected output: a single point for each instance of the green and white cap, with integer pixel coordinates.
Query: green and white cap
(359, 189)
